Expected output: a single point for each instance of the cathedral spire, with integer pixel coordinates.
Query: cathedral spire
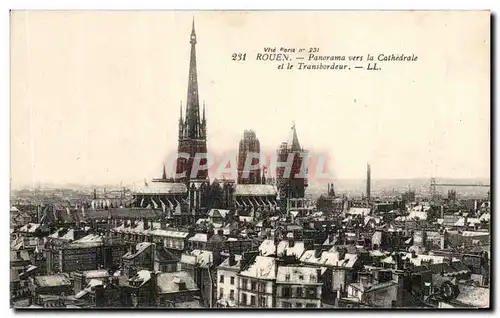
(293, 141)
(164, 176)
(203, 118)
(192, 108)
(180, 117)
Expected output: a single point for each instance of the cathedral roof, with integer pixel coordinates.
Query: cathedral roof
(162, 188)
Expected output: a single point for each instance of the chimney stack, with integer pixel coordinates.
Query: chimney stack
(368, 181)
(232, 260)
(342, 252)
(99, 296)
(318, 252)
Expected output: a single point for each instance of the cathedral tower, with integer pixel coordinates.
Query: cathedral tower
(248, 144)
(192, 128)
(291, 186)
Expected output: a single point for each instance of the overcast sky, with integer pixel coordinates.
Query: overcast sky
(95, 96)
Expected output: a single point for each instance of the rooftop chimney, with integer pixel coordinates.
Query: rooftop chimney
(342, 252)
(210, 233)
(232, 260)
(318, 252)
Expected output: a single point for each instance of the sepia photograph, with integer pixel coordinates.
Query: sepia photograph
(250, 159)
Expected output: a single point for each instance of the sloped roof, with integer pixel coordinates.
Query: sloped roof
(267, 248)
(329, 258)
(140, 248)
(200, 258)
(52, 280)
(143, 276)
(164, 255)
(19, 256)
(485, 217)
(29, 228)
(98, 273)
(237, 259)
(359, 211)
(297, 275)
(255, 190)
(218, 213)
(199, 237)
(474, 296)
(162, 188)
(262, 268)
(170, 282)
(63, 234)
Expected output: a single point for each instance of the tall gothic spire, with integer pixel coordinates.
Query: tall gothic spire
(192, 108)
(293, 141)
(180, 117)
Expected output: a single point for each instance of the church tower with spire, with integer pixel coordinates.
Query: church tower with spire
(294, 184)
(192, 128)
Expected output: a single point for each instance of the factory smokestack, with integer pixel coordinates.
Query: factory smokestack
(368, 181)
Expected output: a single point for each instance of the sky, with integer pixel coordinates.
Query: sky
(95, 96)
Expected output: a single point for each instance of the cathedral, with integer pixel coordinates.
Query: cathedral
(190, 195)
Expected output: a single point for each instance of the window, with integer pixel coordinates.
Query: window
(298, 292)
(311, 292)
(262, 287)
(312, 279)
(311, 305)
(262, 302)
(252, 300)
(244, 283)
(286, 292)
(254, 285)
(243, 299)
(301, 277)
(232, 280)
(286, 304)
(221, 293)
(221, 280)
(287, 277)
(231, 294)
(299, 305)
